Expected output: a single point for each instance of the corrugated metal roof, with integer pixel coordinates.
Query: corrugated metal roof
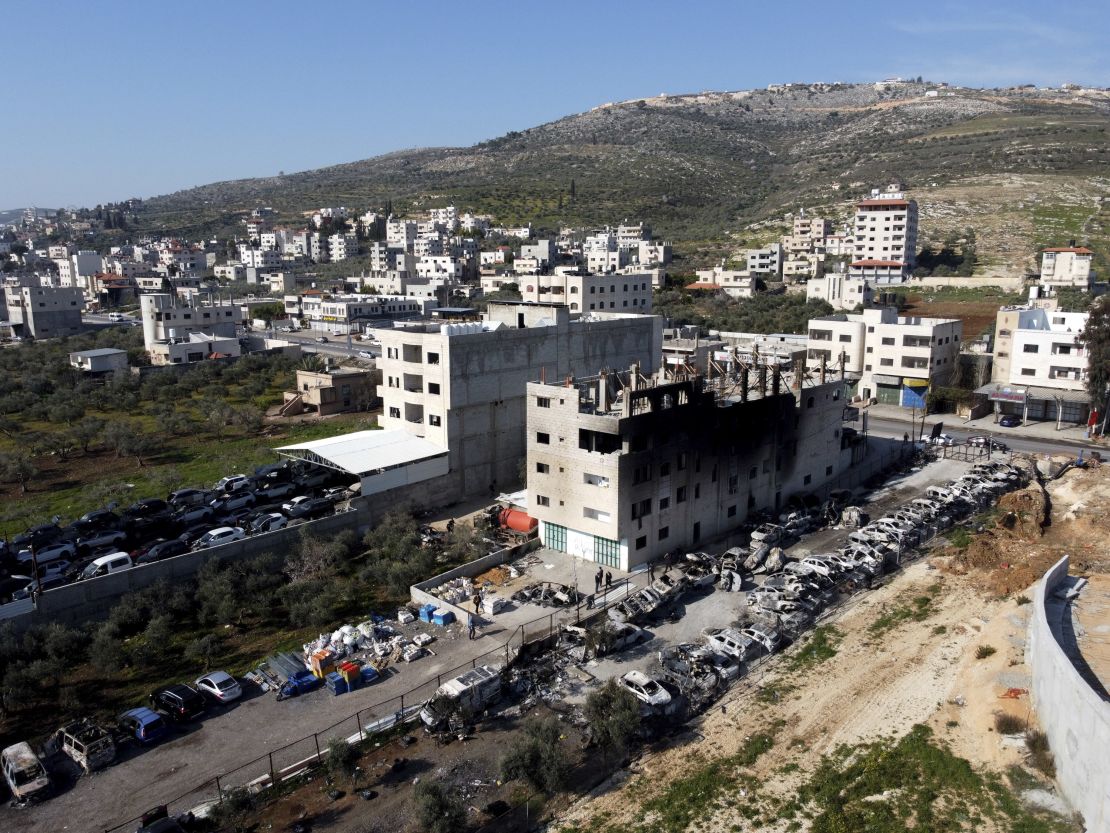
(365, 452)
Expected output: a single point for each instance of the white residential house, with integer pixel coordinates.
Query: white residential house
(586, 293)
(1067, 267)
(840, 289)
(736, 283)
(893, 360)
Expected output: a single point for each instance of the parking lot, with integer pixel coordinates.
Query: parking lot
(249, 729)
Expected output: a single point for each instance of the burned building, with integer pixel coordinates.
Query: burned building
(624, 467)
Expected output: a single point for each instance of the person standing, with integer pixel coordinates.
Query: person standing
(651, 571)
(608, 580)
(597, 581)
(472, 625)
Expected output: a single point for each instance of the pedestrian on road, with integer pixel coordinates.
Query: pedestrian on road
(667, 561)
(477, 602)
(608, 579)
(473, 627)
(597, 581)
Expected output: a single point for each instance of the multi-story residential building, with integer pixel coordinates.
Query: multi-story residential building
(431, 246)
(839, 289)
(342, 246)
(601, 261)
(44, 312)
(253, 258)
(166, 321)
(630, 235)
(649, 253)
(736, 283)
(462, 385)
(891, 359)
(340, 313)
(400, 233)
(542, 251)
(231, 272)
(766, 263)
(624, 467)
(1067, 267)
(447, 217)
(332, 391)
(585, 293)
(473, 222)
(885, 230)
(1039, 372)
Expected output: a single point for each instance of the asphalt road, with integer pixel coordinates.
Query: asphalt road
(894, 428)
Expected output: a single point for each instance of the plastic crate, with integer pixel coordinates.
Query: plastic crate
(443, 617)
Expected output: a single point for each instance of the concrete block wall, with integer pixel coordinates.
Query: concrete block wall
(1074, 717)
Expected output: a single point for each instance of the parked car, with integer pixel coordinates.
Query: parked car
(219, 686)
(232, 483)
(144, 725)
(26, 776)
(233, 502)
(101, 538)
(365, 354)
(219, 535)
(267, 522)
(90, 746)
(276, 491)
(161, 549)
(317, 507)
(37, 536)
(287, 507)
(983, 441)
(178, 702)
(768, 638)
(731, 643)
(645, 689)
(60, 550)
(146, 508)
(194, 534)
(321, 339)
(100, 519)
(1010, 421)
(194, 514)
(189, 497)
(48, 583)
(105, 565)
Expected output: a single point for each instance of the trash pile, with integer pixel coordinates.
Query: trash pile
(456, 591)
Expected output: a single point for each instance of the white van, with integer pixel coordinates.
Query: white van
(113, 562)
(26, 776)
(116, 316)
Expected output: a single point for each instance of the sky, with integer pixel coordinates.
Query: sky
(116, 99)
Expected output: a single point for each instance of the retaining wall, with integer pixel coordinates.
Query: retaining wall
(1074, 717)
(420, 592)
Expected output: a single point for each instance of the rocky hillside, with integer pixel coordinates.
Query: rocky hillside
(701, 165)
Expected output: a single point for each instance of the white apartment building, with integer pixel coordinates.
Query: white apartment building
(268, 240)
(474, 222)
(462, 385)
(400, 233)
(165, 320)
(839, 289)
(440, 266)
(891, 359)
(447, 217)
(342, 246)
(601, 261)
(624, 467)
(252, 258)
(586, 293)
(230, 272)
(492, 258)
(885, 230)
(343, 313)
(766, 262)
(541, 251)
(648, 253)
(1067, 267)
(430, 246)
(1039, 372)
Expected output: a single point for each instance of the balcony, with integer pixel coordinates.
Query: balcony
(820, 335)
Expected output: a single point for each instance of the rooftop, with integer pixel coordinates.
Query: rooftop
(365, 452)
(100, 351)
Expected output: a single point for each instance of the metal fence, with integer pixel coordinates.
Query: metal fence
(288, 760)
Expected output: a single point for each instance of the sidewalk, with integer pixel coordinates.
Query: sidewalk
(985, 425)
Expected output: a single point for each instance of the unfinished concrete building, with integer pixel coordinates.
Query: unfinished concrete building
(624, 467)
(462, 385)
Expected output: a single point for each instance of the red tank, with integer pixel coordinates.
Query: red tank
(515, 519)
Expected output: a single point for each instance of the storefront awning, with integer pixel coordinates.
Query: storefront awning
(999, 392)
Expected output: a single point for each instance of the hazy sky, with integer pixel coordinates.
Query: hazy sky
(114, 99)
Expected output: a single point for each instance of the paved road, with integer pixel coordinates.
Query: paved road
(886, 427)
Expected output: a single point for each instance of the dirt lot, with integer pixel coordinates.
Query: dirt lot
(937, 647)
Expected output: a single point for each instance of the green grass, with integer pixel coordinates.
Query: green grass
(929, 789)
(917, 609)
(820, 646)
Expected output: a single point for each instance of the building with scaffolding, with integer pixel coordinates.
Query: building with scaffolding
(625, 466)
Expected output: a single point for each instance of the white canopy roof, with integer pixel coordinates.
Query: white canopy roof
(365, 452)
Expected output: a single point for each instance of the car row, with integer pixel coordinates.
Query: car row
(92, 746)
(154, 529)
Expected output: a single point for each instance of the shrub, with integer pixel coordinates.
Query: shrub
(1023, 599)
(1008, 724)
(613, 715)
(437, 810)
(341, 758)
(537, 756)
(1040, 755)
(984, 651)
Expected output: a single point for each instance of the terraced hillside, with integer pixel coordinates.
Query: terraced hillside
(699, 166)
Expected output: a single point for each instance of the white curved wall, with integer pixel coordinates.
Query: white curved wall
(1074, 716)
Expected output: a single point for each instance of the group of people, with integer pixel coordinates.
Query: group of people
(605, 576)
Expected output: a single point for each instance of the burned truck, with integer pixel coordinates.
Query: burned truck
(460, 699)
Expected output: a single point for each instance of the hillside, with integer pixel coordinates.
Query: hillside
(699, 166)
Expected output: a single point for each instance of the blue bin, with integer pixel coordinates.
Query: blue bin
(443, 617)
(335, 683)
(368, 675)
(426, 612)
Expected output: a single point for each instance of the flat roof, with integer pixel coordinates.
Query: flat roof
(100, 351)
(365, 452)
